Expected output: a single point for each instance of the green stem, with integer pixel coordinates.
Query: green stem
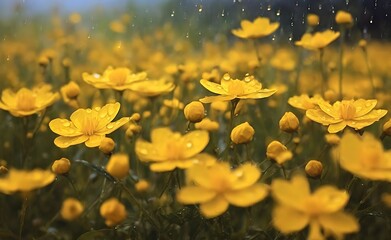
(342, 37)
(370, 74)
(23, 216)
(254, 41)
(322, 71)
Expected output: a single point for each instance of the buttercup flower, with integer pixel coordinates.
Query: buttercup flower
(304, 102)
(365, 157)
(261, 27)
(297, 207)
(278, 152)
(71, 209)
(152, 88)
(118, 79)
(230, 89)
(61, 166)
(194, 112)
(243, 133)
(353, 113)
(317, 40)
(314, 168)
(169, 150)
(289, 122)
(113, 211)
(87, 125)
(118, 165)
(25, 180)
(217, 186)
(26, 102)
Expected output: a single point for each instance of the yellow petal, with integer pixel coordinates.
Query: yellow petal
(107, 113)
(286, 191)
(339, 223)
(94, 141)
(364, 106)
(159, 135)
(336, 127)
(194, 194)
(111, 127)
(64, 142)
(213, 87)
(147, 152)
(288, 220)
(319, 116)
(214, 208)
(248, 196)
(163, 166)
(64, 127)
(329, 110)
(78, 117)
(247, 175)
(264, 93)
(195, 142)
(217, 98)
(331, 198)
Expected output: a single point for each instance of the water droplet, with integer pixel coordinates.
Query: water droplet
(278, 13)
(368, 104)
(88, 110)
(96, 75)
(102, 114)
(110, 126)
(199, 7)
(189, 145)
(226, 77)
(172, 13)
(66, 124)
(97, 109)
(353, 123)
(269, 8)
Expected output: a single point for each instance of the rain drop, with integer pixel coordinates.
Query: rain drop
(66, 124)
(227, 77)
(110, 126)
(189, 145)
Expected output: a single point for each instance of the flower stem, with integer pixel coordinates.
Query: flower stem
(370, 74)
(340, 62)
(322, 72)
(23, 215)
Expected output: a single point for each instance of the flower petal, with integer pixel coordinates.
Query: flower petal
(332, 198)
(336, 127)
(217, 98)
(94, 141)
(106, 114)
(111, 127)
(329, 110)
(339, 223)
(64, 142)
(248, 196)
(214, 208)
(264, 93)
(163, 166)
(146, 151)
(284, 191)
(64, 127)
(364, 106)
(194, 142)
(247, 175)
(78, 117)
(288, 220)
(213, 87)
(319, 116)
(194, 194)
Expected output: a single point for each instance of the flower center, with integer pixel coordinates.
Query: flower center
(118, 76)
(174, 149)
(25, 100)
(314, 206)
(348, 110)
(90, 125)
(236, 87)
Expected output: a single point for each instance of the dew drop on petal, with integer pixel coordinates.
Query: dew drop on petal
(66, 124)
(144, 151)
(110, 126)
(189, 145)
(96, 75)
(226, 77)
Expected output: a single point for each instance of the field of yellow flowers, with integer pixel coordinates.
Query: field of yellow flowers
(147, 136)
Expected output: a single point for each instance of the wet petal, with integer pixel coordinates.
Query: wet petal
(78, 117)
(64, 127)
(163, 166)
(288, 220)
(248, 196)
(111, 127)
(319, 116)
(217, 98)
(194, 142)
(94, 140)
(329, 110)
(64, 142)
(260, 94)
(336, 127)
(364, 106)
(213, 87)
(146, 151)
(107, 113)
(247, 175)
(193, 195)
(214, 208)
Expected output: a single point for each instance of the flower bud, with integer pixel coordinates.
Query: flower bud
(61, 166)
(332, 138)
(387, 128)
(207, 124)
(107, 145)
(312, 20)
(194, 111)
(289, 122)
(133, 129)
(118, 165)
(135, 117)
(113, 211)
(71, 209)
(362, 43)
(314, 168)
(142, 185)
(278, 152)
(71, 90)
(43, 61)
(330, 95)
(243, 133)
(344, 18)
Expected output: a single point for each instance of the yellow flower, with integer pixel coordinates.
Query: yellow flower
(289, 122)
(243, 133)
(194, 112)
(118, 79)
(217, 186)
(87, 125)
(230, 89)
(169, 150)
(142, 185)
(70, 91)
(356, 114)
(152, 88)
(278, 152)
(113, 211)
(313, 19)
(25, 180)
(365, 157)
(26, 102)
(304, 102)
(261, 27)
(283, 60)
(343, 17)
(118, 165)
(107, 145)
(117, 26)
(317, 40)
(297, 207)
(71, 209)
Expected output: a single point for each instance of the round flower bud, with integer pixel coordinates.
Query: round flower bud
(118, 165)
(43, 61)
(194, 111)
(330, 95)
(133, 129)
(71, 209)
(387, 128)
(278, 152)
(135, 117)
(243, 133)
(142, 185)
(314, 168)
(332, 138)
(107, 145)
(362, 43)
(207, 124)
(113, 211)
(61, 166)
(343, 17)
(289, 122)
(66, 62)
(71, 90)
(312, 20)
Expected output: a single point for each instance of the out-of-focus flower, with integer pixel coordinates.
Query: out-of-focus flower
(70, 91)
(314, 168)
(304, 102)
(118, 79)
(243, 133)
(362, 43)
(217, 186)
(365, 157)
(386, 199)
(25, 180)
(230, 89)
(278, 152)
(71, 209)
(142, 185)
(169, 150)
(344, 18)
(74, 18)
(61, 166)
(174, 103)
(387, 128)
(353, 113)
(261, 27)
(297, 207)
(207, 124)
(220, 106)
(332, 138)
(289, 122)
(26, 102)
(194, 111)
(117, 26)
(283, 60)
(317, 40)
(152, 88)
(113, 211)
(87, 125)
(312, 20)
(107, 145)
(118, 165)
